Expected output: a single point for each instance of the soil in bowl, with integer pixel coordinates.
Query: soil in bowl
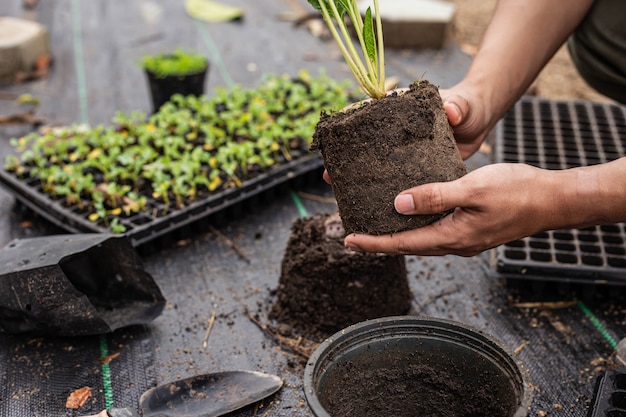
(374, 151)
(404, 389)
(324, 287)
(409, 366)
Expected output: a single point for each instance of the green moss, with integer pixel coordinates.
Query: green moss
(178, 62)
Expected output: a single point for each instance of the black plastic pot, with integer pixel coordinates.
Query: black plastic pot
(163, 88)
(411, 366)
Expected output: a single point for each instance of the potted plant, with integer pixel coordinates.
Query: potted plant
(390, 143)
(177, 72)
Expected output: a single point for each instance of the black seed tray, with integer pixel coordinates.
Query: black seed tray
(158, 220)
(609, 396)
(559, 135)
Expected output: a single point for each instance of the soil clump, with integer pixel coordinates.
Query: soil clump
(324, 287)
(374, 151)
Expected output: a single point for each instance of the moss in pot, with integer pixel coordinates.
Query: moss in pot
(177, 72)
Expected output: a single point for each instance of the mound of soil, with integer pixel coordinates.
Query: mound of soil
(324, 287)
(383, 147)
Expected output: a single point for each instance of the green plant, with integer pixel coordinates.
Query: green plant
(179, 62)
(368, 66)
(191, 147)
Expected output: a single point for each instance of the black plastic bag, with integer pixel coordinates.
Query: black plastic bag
(69, 285)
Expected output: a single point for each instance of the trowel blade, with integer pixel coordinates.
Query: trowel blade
(209, 395)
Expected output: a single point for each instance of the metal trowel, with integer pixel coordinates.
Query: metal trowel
(209, 395)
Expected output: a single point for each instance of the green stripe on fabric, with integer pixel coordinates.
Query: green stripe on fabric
(597, 324)
(81, 84)
(299, 205)
(106, 373)
(216, 58)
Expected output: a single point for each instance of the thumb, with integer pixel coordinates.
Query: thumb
(430, 198)
(456, 107)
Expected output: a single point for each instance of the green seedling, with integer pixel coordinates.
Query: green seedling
(191, 147)
(367, 66)
(177, 63)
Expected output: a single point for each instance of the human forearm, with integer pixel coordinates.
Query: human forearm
(591, 195)
(521, 38)
(500, 203)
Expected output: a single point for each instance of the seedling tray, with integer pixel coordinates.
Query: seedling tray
(150, 224)
(559, 135)
(609, 397)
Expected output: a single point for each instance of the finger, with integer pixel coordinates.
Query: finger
(433, 198)
(456, 108)
(436, 239)
(326, 177)
(455, 117)
(395, 244)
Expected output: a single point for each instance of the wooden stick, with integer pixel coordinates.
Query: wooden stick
(549, 305)
(229, 242)
(284, 342)
(317, 197)
(205, 342)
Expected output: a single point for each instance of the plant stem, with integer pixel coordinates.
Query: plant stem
(357, 21)
(353, 60)
(381, 49)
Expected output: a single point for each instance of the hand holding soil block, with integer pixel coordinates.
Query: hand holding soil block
(387, 145)
(383, 147)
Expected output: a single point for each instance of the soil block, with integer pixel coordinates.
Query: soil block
(383, 147)
(324, 287)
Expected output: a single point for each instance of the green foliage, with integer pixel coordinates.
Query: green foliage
(178, 62)
(367, 66)
(191, 148)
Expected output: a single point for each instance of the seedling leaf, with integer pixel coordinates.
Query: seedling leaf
(316, 5)
(368, 35)
(368, 64)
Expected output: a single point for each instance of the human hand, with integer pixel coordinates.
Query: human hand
(492, 205)
(467, 112)
(469, 117)
(470, 126)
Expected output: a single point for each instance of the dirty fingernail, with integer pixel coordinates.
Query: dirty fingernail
(404, 204)
(353, 247)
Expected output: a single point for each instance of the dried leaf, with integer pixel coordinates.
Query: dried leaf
(210, 11)
(109, 358)
(78, 398)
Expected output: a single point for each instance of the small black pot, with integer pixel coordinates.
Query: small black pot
(411, 366)
(163, 88)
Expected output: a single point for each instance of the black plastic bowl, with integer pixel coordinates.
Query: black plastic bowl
(411, 366)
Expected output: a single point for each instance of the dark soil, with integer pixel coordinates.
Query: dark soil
(402, 387)
(324, 287)
(383, 147)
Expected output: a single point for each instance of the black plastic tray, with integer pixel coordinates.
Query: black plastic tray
(150, 224)
(609, 397)
(559, 135)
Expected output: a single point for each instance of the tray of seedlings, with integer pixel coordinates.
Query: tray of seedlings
(147, 176)
(553, 134)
